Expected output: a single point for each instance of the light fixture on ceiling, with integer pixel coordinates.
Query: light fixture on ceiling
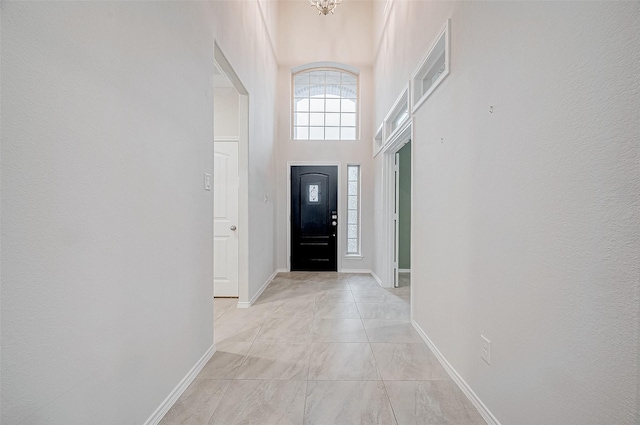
(325, 6)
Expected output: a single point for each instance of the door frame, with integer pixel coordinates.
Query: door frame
(401, 138)
(223, 64)
(340, 221)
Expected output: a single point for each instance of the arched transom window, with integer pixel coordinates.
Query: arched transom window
(325, 105)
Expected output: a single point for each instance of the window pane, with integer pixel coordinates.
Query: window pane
(348, 133)
(353, 173)
(333, 77)
(348, 120)
(316, 77)
(316, 119)
(313, 193)
(353, 188)
(301, 105)
(301, 118)
(348, 105)
(352, 246)
(316, 133)
(352, 217)
(349, 91)
(349, 79)
(333, 105)
(301, 80)
(301, 133)
(353, 203)
(332, 133)
(333, 120)
(316, 105)
(352, 231)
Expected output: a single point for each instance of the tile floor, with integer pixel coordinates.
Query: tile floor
(321, 349)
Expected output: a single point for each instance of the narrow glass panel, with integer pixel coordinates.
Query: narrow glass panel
(348, 133)
(316, 133)
(353, 203)
(352, 217)
(348, 105)
(316, 119)
(332, 120)
(353, 188)
(353, 172)
(301, 133)
(301, 118)
(352, 246)
(332, 133)
(348, 120)
(301, 105)
(352, 231)
(313, 193)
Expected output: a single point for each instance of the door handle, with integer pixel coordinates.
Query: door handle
(233, 227)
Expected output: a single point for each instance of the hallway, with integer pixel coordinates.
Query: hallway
(321, 348)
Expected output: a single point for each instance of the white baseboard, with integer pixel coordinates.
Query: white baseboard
(404, 270)
(375, 276)
(282, 271)
(455, 376)
(174, 395)
(260, 291)
(365, 271)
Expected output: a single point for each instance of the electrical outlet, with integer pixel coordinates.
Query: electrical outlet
(485, 351)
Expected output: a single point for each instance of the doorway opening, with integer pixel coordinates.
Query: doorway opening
(397, 200)
(314, 224)
(403, 214)
(230, 177)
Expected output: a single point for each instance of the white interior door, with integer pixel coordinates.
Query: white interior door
(225, 219)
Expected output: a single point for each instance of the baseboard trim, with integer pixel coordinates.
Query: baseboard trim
(174, 395)
(260, 291)
(455, 376)
(365, 271)
(375, 276)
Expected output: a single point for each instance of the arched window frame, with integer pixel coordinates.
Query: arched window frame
(310, 121)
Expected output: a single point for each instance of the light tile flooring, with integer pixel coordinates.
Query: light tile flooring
(321, 349)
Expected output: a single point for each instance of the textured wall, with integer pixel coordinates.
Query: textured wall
(107, 117)
(528, 227)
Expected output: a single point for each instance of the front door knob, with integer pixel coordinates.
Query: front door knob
(233, 227)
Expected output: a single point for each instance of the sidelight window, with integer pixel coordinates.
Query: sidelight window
(353, 210)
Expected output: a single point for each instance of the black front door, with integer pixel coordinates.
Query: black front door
(314, 218)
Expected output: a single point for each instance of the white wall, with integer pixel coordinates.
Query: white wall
(353, 47)
(526, 225)
(106, 229)
(225, 118)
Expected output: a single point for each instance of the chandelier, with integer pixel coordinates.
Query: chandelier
(325, 6)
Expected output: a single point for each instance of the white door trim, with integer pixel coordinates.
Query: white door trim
(341, 227)
(243, 171)
(400, 138)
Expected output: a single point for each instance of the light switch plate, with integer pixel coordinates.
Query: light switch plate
(207, 181)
